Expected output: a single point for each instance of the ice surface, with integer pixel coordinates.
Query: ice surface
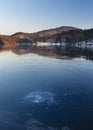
(40, 97)
(34, 124)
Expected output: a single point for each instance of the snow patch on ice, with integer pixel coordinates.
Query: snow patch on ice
(40, 97)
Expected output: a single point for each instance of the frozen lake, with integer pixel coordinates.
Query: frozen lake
(46, 88)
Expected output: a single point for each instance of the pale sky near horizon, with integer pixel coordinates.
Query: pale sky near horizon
(36, 15)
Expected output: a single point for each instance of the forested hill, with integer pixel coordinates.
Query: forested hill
(66, 34)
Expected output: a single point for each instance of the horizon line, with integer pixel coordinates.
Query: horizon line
(45, 30)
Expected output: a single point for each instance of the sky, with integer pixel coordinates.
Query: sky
(35, 15)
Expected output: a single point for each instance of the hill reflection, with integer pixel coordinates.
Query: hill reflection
(53, 51)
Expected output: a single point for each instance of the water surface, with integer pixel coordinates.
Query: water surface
(46, 88)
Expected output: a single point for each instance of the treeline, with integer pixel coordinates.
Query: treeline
(75, 36)
(72, 36)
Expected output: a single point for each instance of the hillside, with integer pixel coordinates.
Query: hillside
(42, 35)
(48, 32)
(6, 40)
(54, 31)
(65, 34)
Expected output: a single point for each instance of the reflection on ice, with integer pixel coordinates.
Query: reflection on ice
(40, 97)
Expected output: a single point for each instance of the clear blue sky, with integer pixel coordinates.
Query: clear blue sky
(35, 15)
